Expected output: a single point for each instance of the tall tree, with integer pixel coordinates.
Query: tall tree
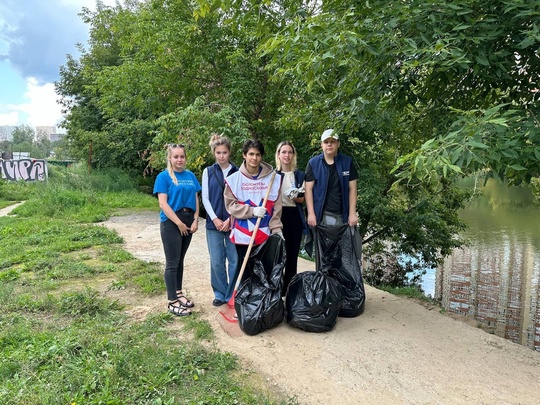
(147, 65)
(23, 134)
(421, 93)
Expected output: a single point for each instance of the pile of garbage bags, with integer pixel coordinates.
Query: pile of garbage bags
(314, 299)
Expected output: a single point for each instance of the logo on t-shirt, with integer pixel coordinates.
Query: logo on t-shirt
(345, 173)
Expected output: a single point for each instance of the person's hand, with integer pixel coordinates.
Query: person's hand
(312, 220)
(226, 225)
(183, 228)
(292, 193)
(259, 212)
(194, 226)
(353, 220)
(218, 223)
(280, 234)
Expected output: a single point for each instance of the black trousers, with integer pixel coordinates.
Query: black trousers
(175, 247)
(292, 232)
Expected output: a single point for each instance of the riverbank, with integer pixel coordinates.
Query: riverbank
(396, 352)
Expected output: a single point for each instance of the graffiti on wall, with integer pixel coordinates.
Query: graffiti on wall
(24, 169)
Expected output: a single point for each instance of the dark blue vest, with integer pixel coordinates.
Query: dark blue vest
(216, 185)
(320, 188)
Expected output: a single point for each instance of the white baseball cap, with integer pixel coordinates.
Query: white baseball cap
(329, 133)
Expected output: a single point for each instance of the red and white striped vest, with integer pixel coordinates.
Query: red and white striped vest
(252, 191)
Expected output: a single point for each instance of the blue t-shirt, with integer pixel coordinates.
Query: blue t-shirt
(181, 195)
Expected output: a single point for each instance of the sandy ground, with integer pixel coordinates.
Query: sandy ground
(396, 352)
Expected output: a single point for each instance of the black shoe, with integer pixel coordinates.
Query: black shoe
(217, 303)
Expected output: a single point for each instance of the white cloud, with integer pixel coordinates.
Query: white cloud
(40, 106)
(11, 118)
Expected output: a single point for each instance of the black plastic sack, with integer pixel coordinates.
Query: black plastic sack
(336, 257)
(258, 300)
(313, 301)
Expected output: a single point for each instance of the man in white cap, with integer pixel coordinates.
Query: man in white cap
(331, 185)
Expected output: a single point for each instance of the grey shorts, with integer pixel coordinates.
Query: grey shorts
(329, 218)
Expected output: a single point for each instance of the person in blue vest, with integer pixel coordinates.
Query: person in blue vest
(331, 185)
(218, 220)
(292, 213)
(177, 191)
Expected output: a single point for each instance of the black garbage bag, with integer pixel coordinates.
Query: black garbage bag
(258, 300)
(313, 301)
(337, 257)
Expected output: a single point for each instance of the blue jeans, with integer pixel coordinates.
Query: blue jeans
(220, 248)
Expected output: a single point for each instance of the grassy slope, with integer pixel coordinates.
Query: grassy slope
(62, 342)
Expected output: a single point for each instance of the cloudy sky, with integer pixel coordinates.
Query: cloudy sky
(35, 36)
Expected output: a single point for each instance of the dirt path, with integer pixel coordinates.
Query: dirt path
(396, 352)
(6, 210)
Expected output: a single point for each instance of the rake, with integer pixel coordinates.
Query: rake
(230, 304)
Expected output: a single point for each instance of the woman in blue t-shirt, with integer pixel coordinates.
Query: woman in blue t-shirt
(177, 191)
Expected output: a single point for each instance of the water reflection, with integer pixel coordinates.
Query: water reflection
(495, 279)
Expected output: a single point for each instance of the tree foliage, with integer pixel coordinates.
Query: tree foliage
(25, 139)
(150, 64)
(23, 133)
(455, 82)
(421, 93)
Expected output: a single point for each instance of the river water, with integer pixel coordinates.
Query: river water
(495, 279)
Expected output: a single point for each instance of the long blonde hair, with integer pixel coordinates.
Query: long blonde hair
(219, 140)
(293, 160)
(170, 170)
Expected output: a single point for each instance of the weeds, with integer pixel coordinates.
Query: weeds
(201, 328)
(414, 292)
(115, 255)
(86, 302)
(61, 341)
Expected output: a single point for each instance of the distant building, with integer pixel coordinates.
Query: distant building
(6, 132)
(56, 137)
(45, 131)
(48, 132)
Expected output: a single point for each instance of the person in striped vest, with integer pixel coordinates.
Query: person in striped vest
(244, 194)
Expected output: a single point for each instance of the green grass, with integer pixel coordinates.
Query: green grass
(414, 292)
(64, 342)
(5, 203)
(75, 195)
